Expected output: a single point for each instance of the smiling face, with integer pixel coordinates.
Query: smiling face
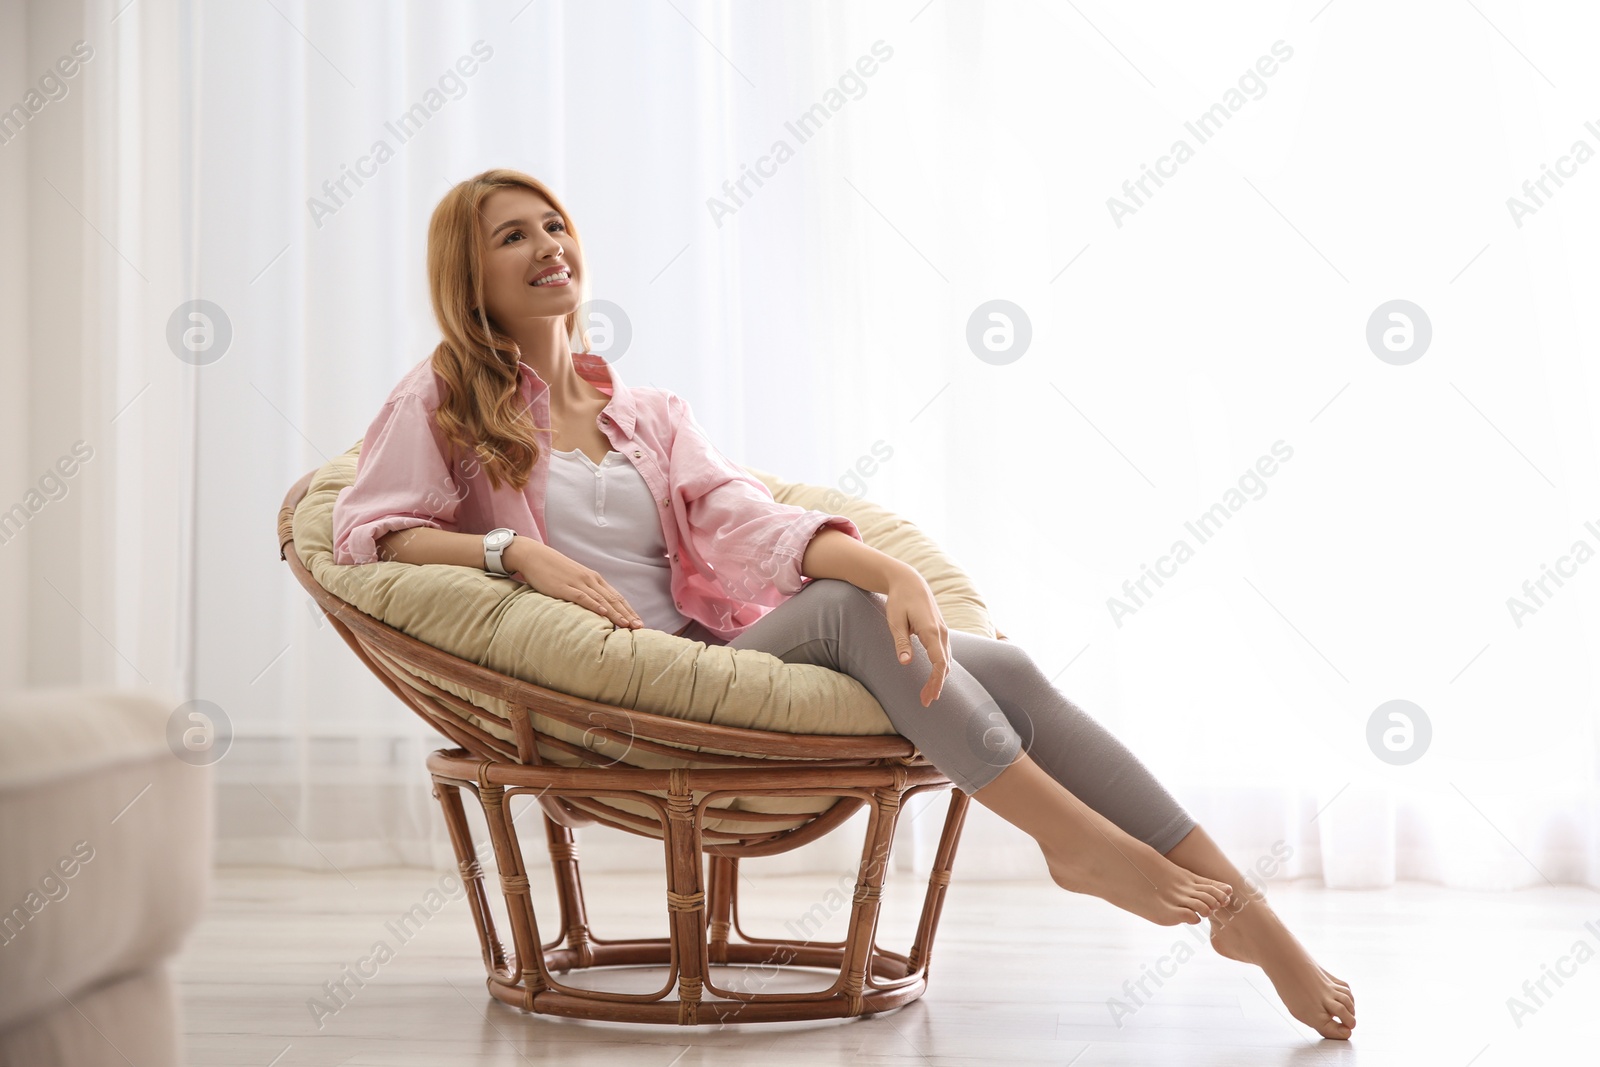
(524, 237)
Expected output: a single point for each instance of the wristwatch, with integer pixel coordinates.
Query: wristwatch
(495, 542)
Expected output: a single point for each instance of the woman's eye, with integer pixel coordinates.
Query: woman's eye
(560, 228)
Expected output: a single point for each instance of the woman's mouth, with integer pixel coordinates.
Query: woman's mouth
(560, 277)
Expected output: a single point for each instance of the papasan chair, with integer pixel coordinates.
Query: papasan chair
(712, 750)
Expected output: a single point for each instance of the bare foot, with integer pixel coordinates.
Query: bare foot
(1104, 861)
(1253, 933)
(1087, 853)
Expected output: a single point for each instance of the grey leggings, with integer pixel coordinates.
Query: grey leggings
(995, 705)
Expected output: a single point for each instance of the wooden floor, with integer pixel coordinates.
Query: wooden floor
(1023, 973)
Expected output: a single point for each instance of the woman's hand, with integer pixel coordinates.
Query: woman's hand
(549, 572)
(912, 609)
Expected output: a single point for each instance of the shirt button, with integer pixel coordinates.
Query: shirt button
(637, 453)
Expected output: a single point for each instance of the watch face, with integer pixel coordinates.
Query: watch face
(500, 539)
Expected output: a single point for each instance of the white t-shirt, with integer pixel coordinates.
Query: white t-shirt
(605, 518)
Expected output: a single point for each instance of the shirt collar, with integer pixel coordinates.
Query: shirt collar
(603, 376)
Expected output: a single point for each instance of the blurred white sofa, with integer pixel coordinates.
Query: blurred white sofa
(105, 859)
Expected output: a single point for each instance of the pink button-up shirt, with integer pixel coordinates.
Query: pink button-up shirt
(735, 551)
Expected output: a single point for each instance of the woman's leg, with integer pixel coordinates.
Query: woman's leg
(1070, 745)
(1018, 746)
(1083, 755)
(967, 735)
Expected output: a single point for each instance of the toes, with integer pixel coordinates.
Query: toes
(1340, 1017)
(1342, 987)
(1334, 1030)
(1214, 895)
(1333, 1026)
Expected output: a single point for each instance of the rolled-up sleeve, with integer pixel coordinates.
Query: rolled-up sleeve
(402, 480)
(738, 534)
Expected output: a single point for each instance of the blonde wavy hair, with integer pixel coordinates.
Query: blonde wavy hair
(480, 409)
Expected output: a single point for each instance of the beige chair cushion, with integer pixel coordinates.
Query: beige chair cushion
(506, 626)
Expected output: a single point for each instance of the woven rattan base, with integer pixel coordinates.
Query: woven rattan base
(703, 920)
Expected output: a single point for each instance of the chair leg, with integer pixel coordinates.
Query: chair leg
(938, 881)
(868, 898)
(519, 899)
(569, 889)
(719, 905)
(455, 819)
(686, 898)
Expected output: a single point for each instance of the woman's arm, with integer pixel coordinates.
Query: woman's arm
(835, 554)
(735, 532)
(402, 482)
(911, 608)
(424, 544)
(541, 567)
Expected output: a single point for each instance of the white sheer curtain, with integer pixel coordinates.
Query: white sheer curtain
(1176, 343)
(935, 157)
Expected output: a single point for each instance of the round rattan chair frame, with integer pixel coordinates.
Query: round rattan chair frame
(880, 772)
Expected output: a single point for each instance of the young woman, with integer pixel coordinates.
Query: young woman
(506, 450)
